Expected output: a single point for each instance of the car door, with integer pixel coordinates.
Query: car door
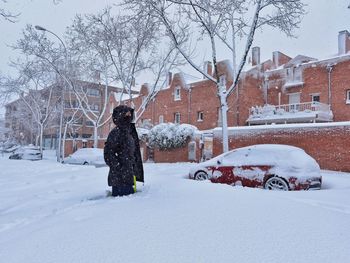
(252, 168)
(223, 172)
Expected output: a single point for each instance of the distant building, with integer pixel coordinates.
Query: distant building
(280, 90)
(2, 128)
(81, 128)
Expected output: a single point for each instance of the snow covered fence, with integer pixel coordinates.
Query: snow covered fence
(328, 143)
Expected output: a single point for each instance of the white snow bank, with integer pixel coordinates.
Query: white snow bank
(54, 213)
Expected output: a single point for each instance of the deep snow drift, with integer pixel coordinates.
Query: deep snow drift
(59, 213)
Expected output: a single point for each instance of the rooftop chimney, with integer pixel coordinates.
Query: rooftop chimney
(208, 68)
(343, 42)
(279, 58)
(275, 58)
(169, 78)
(255, 56)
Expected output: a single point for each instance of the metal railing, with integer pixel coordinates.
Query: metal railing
(268, 110)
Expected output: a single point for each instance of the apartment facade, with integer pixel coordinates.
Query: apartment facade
(280, 90)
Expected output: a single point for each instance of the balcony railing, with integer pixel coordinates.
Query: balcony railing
(298, 112)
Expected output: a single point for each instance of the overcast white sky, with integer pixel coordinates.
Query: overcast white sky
(317, 36)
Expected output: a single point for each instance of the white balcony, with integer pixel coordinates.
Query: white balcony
(290, 113)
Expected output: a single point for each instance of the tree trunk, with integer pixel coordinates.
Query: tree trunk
(224, 108)
(41, 139)
(64, 140)
(95, 137)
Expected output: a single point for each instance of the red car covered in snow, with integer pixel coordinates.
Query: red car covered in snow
(269, 166)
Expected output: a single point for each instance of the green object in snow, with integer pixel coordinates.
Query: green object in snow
(134, 184)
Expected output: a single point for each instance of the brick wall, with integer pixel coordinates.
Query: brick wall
(328, 143)
(170, 156)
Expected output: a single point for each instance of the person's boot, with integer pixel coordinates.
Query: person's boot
(122, 190)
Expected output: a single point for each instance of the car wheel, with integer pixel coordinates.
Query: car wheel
(276, 183)
(85, 163)
(201, 176)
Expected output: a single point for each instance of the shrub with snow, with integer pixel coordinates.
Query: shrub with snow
(169, 135)
(142, 134)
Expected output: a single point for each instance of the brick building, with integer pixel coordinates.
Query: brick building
(279, 90)
(79, 132)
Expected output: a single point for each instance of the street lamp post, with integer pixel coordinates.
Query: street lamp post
(59, 155)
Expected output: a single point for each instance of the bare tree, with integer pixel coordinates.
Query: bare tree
(37, 101)
(8, 15)
(164, 65)
(220, 21)
(91, 46)
(118, 47)
(11, 16)
(123, 46)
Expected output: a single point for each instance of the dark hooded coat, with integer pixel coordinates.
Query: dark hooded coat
(122, 150)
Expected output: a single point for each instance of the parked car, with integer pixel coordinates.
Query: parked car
(86, 156)
(269, 166)
(11, 149)
(26, 153)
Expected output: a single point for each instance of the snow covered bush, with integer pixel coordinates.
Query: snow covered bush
(169, 135)
(142, 134)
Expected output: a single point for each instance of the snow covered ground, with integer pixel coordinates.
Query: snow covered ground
(51, 212)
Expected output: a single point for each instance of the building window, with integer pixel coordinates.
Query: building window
(89, 123)
(94, 107)
(200, 116)
(71, 104)
(177, 94)
(348, 96)
(315, 98)
(93, 92)
(294, 101)
(161, 119)
(294, 74)
(177, 118)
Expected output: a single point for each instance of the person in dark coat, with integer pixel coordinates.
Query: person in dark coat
(122, 153)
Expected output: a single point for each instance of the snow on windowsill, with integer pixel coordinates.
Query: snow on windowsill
(293, 84)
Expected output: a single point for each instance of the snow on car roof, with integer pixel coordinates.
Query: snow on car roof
(285, 156)
(89, 151)
(273, 147)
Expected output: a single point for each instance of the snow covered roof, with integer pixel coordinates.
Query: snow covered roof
(300, 59)
(124, 96)
(189, 79)
(330, 60)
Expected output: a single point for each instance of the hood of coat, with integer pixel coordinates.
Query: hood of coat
(122, 116)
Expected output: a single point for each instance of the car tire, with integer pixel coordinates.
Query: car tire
(85, 163)
(276, 183)
(201, 176)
